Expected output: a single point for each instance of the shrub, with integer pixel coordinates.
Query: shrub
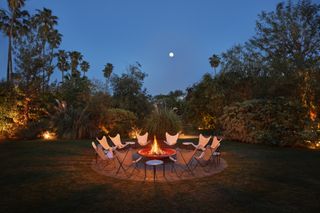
(32, 129)
(119, 121)
(161, 121)
(278, 121)
(11, 110)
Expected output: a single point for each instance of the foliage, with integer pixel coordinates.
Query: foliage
(281, 60)
(203, 100)
(63, 63)
(20, 112)
(75, 91)
(289, 36)
(128, 92)
(13, 23)
(289, 40)
(107, 71)
(32, 129)
(70, 122)
(161, 121)
(214, 61)
(174, 100)
(119, 121)
(77, 63)
(10, 105)
(278, 121)
(81, 113)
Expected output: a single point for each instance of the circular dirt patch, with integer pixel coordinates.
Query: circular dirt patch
(169, 172)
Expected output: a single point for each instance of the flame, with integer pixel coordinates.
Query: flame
(155, 148)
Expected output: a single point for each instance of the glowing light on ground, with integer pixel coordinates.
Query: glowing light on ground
(48, 135)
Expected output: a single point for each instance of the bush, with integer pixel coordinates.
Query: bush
(278, 121)
(12, 116)
(119, 121)
(162, 121)
(32, 129)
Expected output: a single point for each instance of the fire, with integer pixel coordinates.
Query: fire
(155, 148)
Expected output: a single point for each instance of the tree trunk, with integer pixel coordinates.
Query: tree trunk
(43, 69)
(9, 63)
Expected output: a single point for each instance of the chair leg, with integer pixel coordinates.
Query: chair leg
(121, 162)
(135, 168)
(174, 167)
(120, 166)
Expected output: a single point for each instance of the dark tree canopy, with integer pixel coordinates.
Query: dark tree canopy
(128, 92)
(289, 37)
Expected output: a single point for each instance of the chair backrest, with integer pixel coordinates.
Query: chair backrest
(215, 142)
(104, 143)
(203, 141)
(214, 148)
(116, 140)
(207, 154)
(172, 139)
(142, 139)
(99, 151)
(184, 157)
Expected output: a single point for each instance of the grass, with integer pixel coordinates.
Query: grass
(39, 176)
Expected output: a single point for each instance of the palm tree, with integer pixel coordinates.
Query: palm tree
(63, 63)
(13, 23)
(54, 40)
(44, 22)
(107, 71)
(214, 61)
(85, 66)
(76, 58)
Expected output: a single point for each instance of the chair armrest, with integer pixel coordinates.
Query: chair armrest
(130, 142)
(136, 161)
(166, 143)
(113, 148)
(171, 158)
(201, 148)
(190, 143)
(200, 156)
(123, 146)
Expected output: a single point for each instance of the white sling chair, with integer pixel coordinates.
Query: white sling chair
(184, 161)
(126, 161)
(203, 141)
(117, 142)
(214, 149)
(104, 143)
(142, 139)
(171, 139)
(215, 141)
(106, 158)
(206, 157)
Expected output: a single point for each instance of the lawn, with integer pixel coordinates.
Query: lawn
(39, 176)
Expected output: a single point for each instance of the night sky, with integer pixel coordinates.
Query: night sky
(125, 31)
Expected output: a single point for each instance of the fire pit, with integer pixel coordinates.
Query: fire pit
(155, 152)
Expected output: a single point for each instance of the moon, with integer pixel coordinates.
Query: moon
(171, 54)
